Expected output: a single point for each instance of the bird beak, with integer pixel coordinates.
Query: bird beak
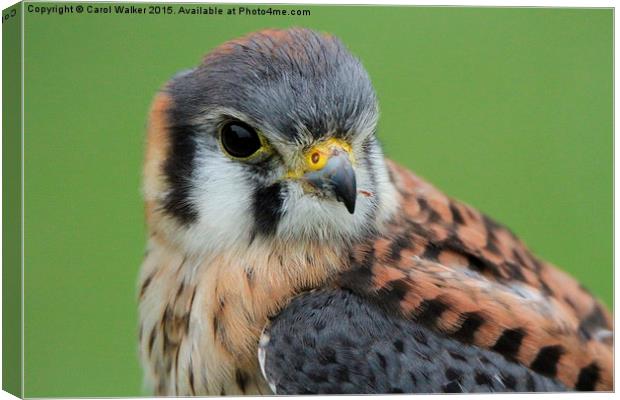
(330, 171)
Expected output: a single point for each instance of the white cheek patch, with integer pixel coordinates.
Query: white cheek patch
(223, 196)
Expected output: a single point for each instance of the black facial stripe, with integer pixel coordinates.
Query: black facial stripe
(267, 209)
(178, 170)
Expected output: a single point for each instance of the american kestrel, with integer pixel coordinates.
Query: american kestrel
(286, 255)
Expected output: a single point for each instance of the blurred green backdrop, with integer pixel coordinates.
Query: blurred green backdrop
(509, 110)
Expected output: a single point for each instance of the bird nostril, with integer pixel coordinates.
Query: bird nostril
(315, 157)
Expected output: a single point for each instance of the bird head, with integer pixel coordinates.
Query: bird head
(271, 137)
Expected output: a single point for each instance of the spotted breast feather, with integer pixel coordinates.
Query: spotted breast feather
(445, 299)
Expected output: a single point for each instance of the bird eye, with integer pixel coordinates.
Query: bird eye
(240, 140)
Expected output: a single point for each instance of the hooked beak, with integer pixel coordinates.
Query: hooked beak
(333, 175)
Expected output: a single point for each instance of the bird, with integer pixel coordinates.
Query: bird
(286, 254)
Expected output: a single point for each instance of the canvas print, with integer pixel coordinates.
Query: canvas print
(229, 199)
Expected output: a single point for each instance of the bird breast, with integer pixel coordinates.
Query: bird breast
(201, 317)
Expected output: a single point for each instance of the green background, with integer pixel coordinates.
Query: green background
(509, 110)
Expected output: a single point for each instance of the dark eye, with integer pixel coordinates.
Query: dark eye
(239, 139)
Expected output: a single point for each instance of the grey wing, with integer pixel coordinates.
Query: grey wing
(333, 341)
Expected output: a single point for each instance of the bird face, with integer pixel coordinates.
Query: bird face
(272, 137)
